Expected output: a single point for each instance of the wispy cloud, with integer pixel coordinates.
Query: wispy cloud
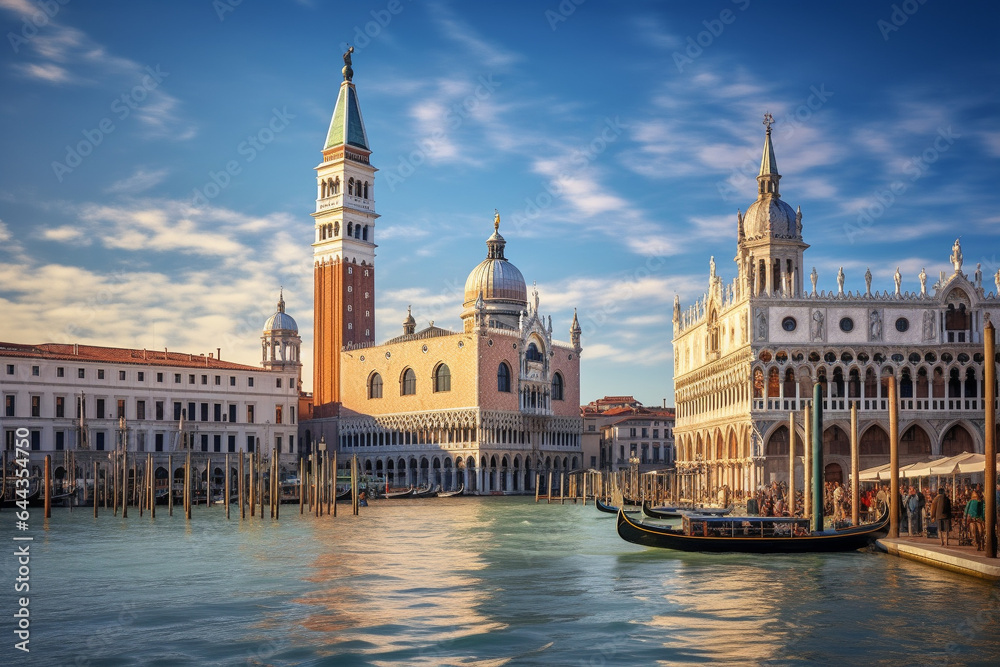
(138, 182)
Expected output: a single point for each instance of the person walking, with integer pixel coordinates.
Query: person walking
(912, 505)
(941, 513)
(975, 518)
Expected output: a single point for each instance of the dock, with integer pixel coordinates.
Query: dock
(962, 559)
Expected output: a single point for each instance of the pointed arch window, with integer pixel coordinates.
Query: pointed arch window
(532, 353)
(408, 383)
(557, 387)
(442, 378)
(375, 386)
(503, 377)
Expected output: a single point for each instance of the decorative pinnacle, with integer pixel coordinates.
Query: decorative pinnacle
(768, 121)
(496, 220)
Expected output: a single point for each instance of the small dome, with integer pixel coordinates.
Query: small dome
(770, 216)
(281, 321)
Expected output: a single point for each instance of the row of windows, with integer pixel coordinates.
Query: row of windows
(101, 410)
(101, 439)
(140, 376)
(441, 378)
(355, 188)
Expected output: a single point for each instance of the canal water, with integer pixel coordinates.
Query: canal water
(468, 581)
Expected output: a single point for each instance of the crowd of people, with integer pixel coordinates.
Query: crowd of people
(946, 509)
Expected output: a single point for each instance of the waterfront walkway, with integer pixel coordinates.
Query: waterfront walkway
(963, 559)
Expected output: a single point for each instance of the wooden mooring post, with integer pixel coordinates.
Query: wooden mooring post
(239, 489)
(227, 486)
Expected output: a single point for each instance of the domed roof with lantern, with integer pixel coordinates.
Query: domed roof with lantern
(495, 282)
(281, 321)
(770, 216)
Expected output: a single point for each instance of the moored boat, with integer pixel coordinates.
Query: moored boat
(400, 494)
(678, 512)
(453, 494)
(749, 534)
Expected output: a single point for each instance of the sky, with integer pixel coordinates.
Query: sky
(156, 177)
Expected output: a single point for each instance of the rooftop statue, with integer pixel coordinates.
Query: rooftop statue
(956, 255)
(348, 71)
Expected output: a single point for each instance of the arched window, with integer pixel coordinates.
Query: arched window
(442, 378)
(557, 387)
(350, 229)
(357, 231)
(336, 229)
(532, 353)
(350, 186)
(366, 189)
(375, 386)
(503, 377)
(336, 186)
(408, 383)
(364, 233)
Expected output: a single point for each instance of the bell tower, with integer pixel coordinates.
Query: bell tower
(344, 246)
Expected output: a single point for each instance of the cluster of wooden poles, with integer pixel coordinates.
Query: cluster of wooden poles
(584, 484)
(257, 482)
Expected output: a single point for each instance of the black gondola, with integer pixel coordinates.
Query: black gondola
(678, 512)
(749, 534)
(400, 494)
(453, 494)
(610, 509)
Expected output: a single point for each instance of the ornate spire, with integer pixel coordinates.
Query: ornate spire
(767, 179)
(281, 300)
(347, 127)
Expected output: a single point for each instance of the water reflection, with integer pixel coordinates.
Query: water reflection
(400, 579)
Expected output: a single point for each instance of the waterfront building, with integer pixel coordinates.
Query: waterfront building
(486, 407)
(618, 429)
(749, 351)
(92, 398)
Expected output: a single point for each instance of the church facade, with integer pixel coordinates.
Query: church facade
(749, 351)
(484, 408)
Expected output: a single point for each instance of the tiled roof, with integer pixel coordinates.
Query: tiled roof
(118, 355)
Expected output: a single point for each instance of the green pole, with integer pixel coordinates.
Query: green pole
(817, 458)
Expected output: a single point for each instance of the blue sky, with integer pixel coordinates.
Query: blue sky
(616, 139)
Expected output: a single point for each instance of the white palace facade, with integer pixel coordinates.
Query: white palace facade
(748, 353)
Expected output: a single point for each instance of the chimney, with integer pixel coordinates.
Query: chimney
(76, 349)
(218, 353)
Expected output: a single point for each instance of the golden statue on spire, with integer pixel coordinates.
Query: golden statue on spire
(496, 220)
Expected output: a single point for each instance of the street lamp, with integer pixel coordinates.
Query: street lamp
(633, 461)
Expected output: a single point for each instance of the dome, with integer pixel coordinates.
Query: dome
(770, 216)
(281, 321)
(496, 278)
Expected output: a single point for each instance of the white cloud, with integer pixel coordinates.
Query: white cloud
(138, 182)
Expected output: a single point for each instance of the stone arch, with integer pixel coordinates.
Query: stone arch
(836, 441)
(873, 446)
(957, 438)
(915, 442)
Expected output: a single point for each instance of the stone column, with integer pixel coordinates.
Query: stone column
(791, 463)
(807, 463)
(990, 483)
(855, 468)
(894, 499)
